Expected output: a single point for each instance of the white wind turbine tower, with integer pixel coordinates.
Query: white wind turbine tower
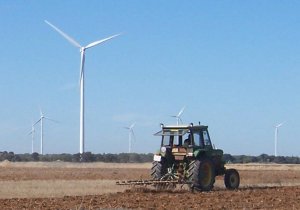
(32, 136)
(41, 120)
(131, 134)
(276, 136)
(178, 118)
(81, 78)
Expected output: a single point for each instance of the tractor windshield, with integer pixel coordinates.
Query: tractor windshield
(173, 136)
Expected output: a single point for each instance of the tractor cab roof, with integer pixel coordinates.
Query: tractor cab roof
(179, 130)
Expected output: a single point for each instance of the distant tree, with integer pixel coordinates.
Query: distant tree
(123, 158)
(8, 156)
(25, 157)
(254, 159)
(293, 160)
(76, 157)
(17, 158)
(246, 159)
(280, 159)
(65, 157)
(99, 157)
(87, 157)
(146, 157)
(35, 156)
(110, 158)
(134, 158)
(263, 158)
(3, 155)
(228, 158)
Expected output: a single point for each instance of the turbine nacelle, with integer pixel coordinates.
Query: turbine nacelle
(279, 125)
(82, 49)
(178, 115)
(131, 134)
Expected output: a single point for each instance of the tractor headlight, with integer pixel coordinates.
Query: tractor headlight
(163, 149)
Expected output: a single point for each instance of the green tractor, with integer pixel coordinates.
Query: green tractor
(187, 156)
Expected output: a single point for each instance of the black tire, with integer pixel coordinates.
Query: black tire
(232, 179)
(201, 174)
(158, 170)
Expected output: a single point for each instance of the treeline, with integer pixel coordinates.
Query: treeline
(85, 157)
(135, 158)
(263, 158)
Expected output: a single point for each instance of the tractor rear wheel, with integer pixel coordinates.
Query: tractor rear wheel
(232, 179)
(158, 170)
(201, 174)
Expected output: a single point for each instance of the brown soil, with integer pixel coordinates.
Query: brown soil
(283, 191)
(250, 198)
(71, 173)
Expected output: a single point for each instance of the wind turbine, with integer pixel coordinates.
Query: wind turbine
(42, 117)
(276, 136)
(81, 77)
(32, 136)
(131, 134)
(178, 118)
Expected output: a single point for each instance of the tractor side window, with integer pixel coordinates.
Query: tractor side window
(206, 138)
(187, 139)
(198, 141)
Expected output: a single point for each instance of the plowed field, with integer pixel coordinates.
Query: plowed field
(92, 186)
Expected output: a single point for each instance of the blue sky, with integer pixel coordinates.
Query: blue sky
(233, 64)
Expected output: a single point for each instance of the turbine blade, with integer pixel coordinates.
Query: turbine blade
(180, 120)
(32, 128)
(37, 122)
(41, 113)
(100, 41)
(51, 119)
(134, 139)
(132, 125)
(81, 66)
(280, 124)
(181, 111)
(66, 36)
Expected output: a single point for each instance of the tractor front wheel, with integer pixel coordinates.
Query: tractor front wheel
(232, 179)
(201, 174)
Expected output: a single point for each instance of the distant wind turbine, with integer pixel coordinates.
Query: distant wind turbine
(41, 120)
(131, 134)
(32, 132)
(81, 77)
(178, 116)
(276, 136)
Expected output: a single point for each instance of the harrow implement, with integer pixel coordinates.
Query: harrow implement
(147, 182)
(168, 181)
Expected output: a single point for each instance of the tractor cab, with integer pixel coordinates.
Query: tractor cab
(187, 137)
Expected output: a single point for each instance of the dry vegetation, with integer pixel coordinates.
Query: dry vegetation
(60, 185)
